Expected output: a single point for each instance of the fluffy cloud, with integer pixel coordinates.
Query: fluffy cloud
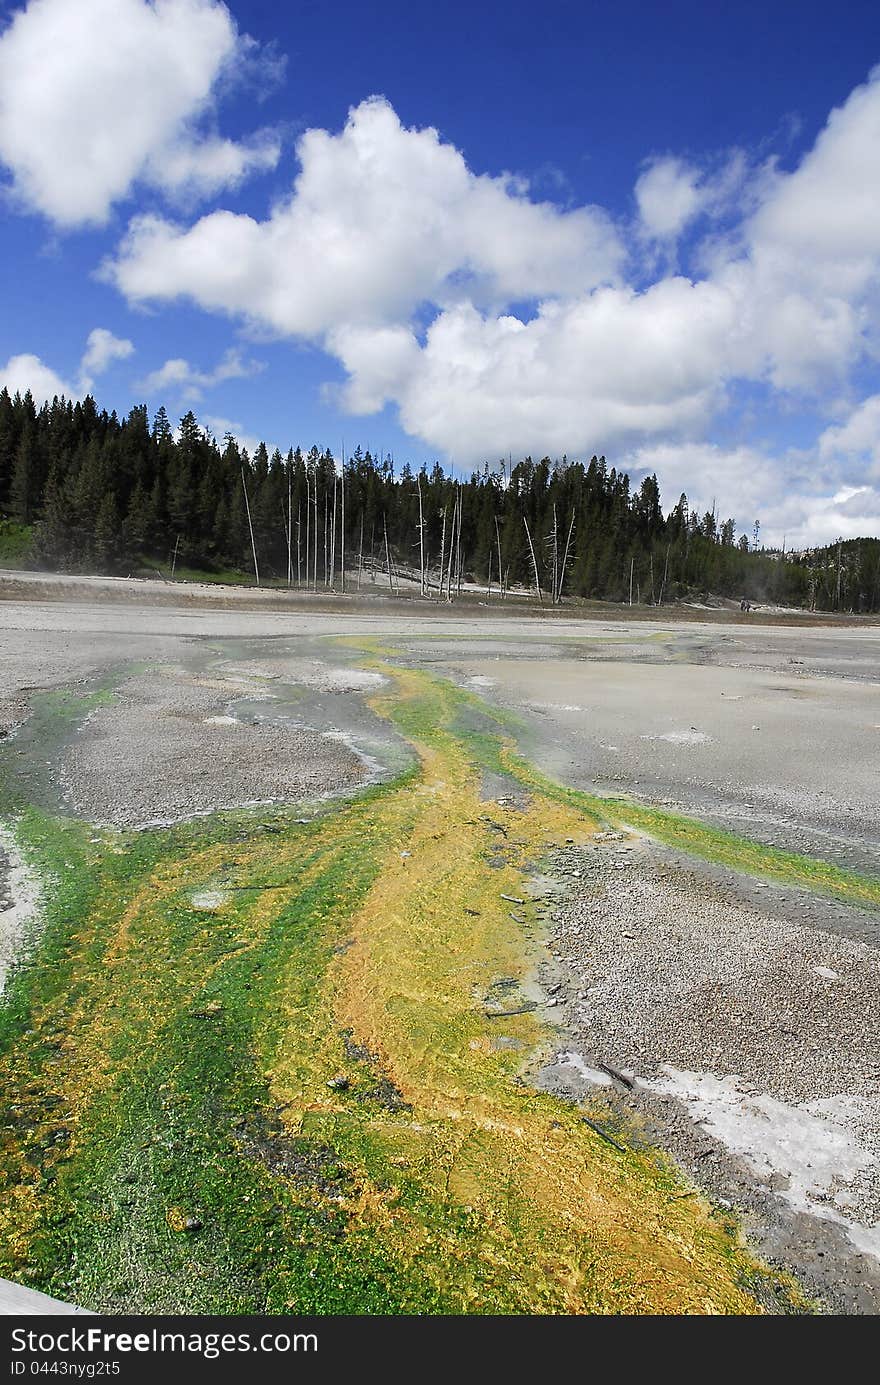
(671, 193)
(102, 349)
(799, 501)
(668, 196)
(95, 94)
(381, 220)
(219, 427)
(190, 383)
(203, 168)
(28, 372)
(812, 519)
(412, 270)
(820, 226)
(611, 366)
(856, 443)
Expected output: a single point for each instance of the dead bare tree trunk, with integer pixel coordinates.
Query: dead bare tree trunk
(421, 537)
(285, 524)
(247, 506)
(315, 565)
(565, 557)
(308, 526)
(455, 520)
(387, 551)
(665, 571)
(361, 552)
(500, 564)
(328, 512)
(342, 529)
(458, 547)
(289, 527)
(534, 560)
(332, 580)
(442, 555)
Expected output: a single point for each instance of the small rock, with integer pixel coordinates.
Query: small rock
(339, 1083)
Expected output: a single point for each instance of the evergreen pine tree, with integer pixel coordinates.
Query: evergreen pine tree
(24, 494)
(136, 526)
(106, 543)
(8, 446)
(53, 533)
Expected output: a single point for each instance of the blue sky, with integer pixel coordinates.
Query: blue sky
(649, 231)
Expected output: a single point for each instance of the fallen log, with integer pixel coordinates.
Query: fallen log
(503, 1014)
(618, 1076)
(603, 1134)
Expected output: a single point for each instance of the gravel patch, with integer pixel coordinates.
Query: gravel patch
(170, 747)
(740, 1036)
(14, 712)
(784, 755)
(19, 901)
(677, 973)
(208, 901)
(36, 658)
(308, 673)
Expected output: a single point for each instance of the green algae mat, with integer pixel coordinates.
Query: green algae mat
(252, 1064)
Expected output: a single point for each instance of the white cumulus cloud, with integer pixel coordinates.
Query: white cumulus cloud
(492, 322)
(821, 224)
(203, 168)
(27, 372)
(799, 500)
(381, 219)
(190, 383)
(610, 366)
(598, 362)
(95, 94)
(668, 195)
(671, 193)
(102, 349)
(856, 442)
(219, 427)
